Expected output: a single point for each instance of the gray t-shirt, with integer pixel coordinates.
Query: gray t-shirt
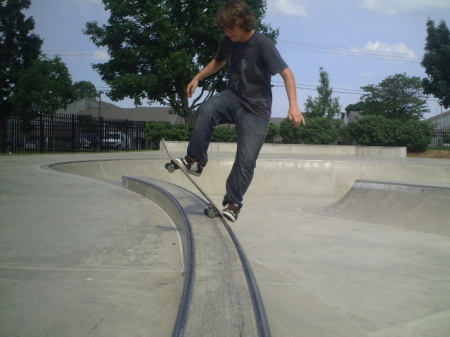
(251, 65)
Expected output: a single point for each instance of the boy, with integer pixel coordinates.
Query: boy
(252, 59)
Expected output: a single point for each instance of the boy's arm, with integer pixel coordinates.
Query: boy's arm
(295, 114)
(210, 69)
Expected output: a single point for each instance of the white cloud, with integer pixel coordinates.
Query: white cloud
(289, 7)
(392, 7)
(366, 74)
(396, 50)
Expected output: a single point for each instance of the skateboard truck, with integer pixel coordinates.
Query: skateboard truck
(211, 211)
(171, 167)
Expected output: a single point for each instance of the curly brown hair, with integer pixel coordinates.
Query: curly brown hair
(235, 13)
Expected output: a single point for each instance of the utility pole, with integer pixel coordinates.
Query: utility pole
(100, 103)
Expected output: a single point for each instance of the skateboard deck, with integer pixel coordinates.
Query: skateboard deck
(212, 210)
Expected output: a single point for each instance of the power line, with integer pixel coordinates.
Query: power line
(279, 84)
(354, 52)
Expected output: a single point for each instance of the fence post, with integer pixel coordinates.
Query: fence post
(73, 136)
(41, 134)
(100, 132)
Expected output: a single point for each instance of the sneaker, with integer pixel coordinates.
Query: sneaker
(231, 212)
(190, 166)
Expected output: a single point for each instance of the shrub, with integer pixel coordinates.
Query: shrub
(415, 135)
(272, 132)
(155, 131)
(224, 134)
(376, 130)
(318, 130)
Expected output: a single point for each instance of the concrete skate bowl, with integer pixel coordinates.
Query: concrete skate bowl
(416, 207)
(219, 295)
(207, 278)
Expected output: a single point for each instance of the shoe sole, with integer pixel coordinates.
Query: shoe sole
(229, 217)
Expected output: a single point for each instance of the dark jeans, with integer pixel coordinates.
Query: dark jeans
(225, 108)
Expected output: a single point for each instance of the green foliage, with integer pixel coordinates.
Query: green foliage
(318, 130)
(374, 130)
(157, 47)
(381, 131)
(224, 134)
(155, 131)
(436, 62)
(46, 87)
(43, 88)
(396, 97)
(84, 89)
(345, 137)
(355, 107)
(415, 135)
(323, 105)
(272, 132)
(18, 47)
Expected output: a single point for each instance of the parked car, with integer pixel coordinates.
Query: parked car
(116, 140)
(87, 141)
(33, 144)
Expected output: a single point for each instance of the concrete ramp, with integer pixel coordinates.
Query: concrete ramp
(422, 208)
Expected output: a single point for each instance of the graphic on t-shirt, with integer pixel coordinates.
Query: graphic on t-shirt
(239, 80)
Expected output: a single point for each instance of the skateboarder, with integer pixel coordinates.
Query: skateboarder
(252, 59)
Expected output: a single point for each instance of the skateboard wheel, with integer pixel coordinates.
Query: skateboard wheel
(170, 168)
(210, 212)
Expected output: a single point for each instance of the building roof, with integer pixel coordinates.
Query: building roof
(442, 121)
(94, 108)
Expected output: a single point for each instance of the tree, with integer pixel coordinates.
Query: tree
(156, 48)
(436, 62)
(18, 49)
(355, 107)
(323, 105)
(46, 87)
(396, 97)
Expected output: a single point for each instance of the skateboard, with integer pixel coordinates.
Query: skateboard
(212, 210)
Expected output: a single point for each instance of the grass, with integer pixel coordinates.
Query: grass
(441, 153)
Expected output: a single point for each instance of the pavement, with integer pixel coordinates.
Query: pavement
(81, 256)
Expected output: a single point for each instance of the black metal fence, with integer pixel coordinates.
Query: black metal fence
(77, 133)
(441, 138)
(74, 133)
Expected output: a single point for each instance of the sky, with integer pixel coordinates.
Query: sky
(357, 42)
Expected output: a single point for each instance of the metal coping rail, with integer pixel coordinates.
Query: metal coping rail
(188, 249)
(256, 299)
(255, 295)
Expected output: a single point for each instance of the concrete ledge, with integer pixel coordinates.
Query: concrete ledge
(220, 296)
(335, 150)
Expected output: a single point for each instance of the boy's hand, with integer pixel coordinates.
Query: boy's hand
(191, 87)
(296, 117)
